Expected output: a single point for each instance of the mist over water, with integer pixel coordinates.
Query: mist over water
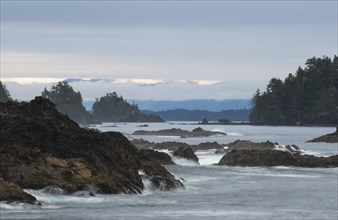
(211, 192)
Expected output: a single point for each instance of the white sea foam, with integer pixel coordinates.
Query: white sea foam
(184, 162)
(53, 190)
(208, 158)
(234, 134)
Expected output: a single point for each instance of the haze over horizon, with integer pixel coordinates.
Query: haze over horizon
(167, 50)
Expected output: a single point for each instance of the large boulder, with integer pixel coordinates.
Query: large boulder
(160, 157)
(275, 158)
(249, 145)
(40, 147)
(186, 153)
(11, 192)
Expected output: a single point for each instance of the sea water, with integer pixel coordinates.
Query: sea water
(210, 192)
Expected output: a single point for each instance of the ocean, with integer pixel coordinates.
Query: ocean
(210, 192)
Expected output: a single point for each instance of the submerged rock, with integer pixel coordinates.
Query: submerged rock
(275, 158)
(186, 153)
(40, 147)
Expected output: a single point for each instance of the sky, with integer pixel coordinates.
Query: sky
(161, 50)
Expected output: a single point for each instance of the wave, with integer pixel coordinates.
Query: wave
(184, 162)
(234, 134)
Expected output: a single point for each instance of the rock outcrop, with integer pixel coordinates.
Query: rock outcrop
(197, 132)
(328, 138)
(275, 158)
(174, 145)
(11, 192)
(40, 147)
(249, 145)
(159, 157)
(186, 153)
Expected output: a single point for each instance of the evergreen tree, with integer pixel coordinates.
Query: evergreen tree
(68, 102)
(4, 93)
(303, 98)
(112, 108)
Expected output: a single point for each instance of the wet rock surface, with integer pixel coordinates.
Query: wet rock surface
(275, 158)
(40, 147)
(11, 192)
(186, 153)
(160, 157)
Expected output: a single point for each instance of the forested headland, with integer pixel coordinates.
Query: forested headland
(307, 97)
(109, 108)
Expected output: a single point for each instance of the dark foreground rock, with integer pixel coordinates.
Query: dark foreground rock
(275, 158)
(186, 153)
(160, 157)
(328, 138)
(11, 192)
(39, 147)
(197, 132)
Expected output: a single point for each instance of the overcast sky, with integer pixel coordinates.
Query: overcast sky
(161, 50)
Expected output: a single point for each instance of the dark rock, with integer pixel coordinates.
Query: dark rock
(11, 192)
(275, 158)
(40, 147)
(197, 132)
(328, 138)
(173, 145)
(292, 148)
(249, 145)
(162, 183)
(187, 153)
(205, 121)
(159, 157)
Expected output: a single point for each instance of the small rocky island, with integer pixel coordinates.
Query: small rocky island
(328, 138)
(275, 158)
(197, 132)
(40, 147)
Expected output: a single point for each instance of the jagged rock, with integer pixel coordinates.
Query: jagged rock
(39, 147)
(173, 145)
(160, 157)
(249, 145)
(11, 192)
(197, 132)
(187, 153)
(170, 145)
(275, 158)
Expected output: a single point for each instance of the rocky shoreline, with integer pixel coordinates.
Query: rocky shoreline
(246, 153)
(40, 147)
